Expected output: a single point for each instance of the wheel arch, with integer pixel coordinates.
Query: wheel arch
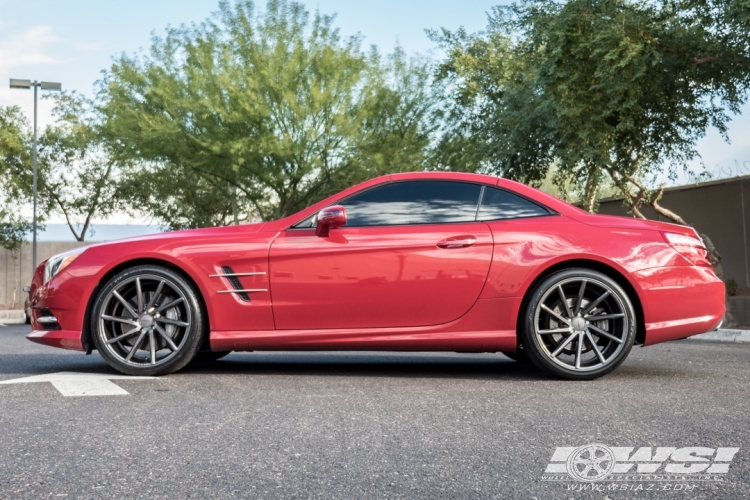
(87, 341)
(593, 265)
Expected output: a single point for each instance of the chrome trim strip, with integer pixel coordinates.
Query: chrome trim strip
(262, 273)
(46, 319)
(254, 290)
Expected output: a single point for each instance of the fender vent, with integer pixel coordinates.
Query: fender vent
(235, 282)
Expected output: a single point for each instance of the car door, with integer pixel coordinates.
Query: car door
(411, 254)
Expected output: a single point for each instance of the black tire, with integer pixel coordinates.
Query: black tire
(596, 311)
(169, 319)
(518, 355)
(209, 356)
(26, 312)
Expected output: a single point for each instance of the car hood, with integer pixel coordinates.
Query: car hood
(187, 234)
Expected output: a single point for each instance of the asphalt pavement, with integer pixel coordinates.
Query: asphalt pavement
(365, 425)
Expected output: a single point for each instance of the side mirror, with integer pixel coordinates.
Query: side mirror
(330, 218)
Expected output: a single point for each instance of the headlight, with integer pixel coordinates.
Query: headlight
(58, 262)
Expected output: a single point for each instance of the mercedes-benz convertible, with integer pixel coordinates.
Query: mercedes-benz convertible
(404, 262)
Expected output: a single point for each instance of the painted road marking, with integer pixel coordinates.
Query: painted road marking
(80, 384)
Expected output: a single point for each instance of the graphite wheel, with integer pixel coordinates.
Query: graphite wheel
(579, 324)
(147, 320)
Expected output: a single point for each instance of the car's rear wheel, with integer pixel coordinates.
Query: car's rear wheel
(147, 320)
(579, 324)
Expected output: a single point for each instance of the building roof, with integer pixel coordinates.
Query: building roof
(685, 187)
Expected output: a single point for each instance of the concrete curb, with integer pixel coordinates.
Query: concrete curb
(12, 317)
(737, 336)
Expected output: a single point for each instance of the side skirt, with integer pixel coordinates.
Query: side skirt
(488, 326)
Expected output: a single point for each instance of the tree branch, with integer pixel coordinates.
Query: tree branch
(654, 203)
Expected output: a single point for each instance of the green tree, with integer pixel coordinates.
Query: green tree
(13, 231)
(604, 91)
(80, 174)
(179, 197)
(15, 155)
(15, 177)
(15, 184)
(266, 112)
(78, 178)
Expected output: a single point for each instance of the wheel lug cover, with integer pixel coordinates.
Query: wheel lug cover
(146, 321)
(578, 323)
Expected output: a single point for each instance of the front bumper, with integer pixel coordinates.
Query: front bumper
(61, 299)
(66, 339)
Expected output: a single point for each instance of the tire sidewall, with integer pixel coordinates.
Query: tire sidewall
(531, 343)
(195, 335)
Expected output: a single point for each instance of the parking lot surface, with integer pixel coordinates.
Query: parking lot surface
(363, 425)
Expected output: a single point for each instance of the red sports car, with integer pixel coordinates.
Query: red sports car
(405, 262)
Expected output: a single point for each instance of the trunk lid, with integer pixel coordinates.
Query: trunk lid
(619, 222)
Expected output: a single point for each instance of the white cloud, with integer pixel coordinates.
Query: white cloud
(20, 53)
(27, 48)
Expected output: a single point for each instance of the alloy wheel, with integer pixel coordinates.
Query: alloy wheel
(581, 324)
(145, 320)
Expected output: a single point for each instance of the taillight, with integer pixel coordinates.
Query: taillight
(690, 247)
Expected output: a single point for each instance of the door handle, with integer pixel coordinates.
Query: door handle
(457, 242)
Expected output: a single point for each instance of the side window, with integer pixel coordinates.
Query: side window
(500, 204)
(413, 202)
(307, 223)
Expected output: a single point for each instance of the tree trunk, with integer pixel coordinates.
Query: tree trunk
(713, 256)
(16, 275)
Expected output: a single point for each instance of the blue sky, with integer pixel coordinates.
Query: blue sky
(71, 41)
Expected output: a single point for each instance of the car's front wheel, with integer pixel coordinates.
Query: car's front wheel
(579, 324)
(147, 320)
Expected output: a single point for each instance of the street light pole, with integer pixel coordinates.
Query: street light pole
(33, 243)
(26, 84)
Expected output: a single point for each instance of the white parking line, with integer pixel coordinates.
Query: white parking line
(80, 384)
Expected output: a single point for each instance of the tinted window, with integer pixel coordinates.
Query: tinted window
(500, 204)
(415, 202)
